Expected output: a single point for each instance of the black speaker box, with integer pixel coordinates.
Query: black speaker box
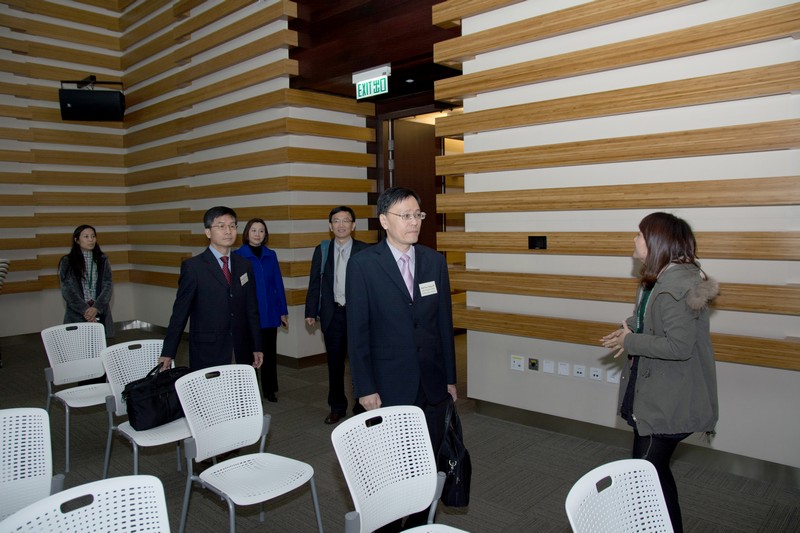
(89, 104)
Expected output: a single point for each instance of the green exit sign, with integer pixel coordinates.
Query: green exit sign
(373, 87)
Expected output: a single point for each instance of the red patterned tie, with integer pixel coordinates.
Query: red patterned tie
(225, 270)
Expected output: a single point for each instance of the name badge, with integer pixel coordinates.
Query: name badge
(426, 289)
(243, 279)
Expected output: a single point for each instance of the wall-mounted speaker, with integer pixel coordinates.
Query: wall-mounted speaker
(90, 104)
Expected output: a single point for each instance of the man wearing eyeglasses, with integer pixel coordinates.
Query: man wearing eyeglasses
(326, 302)
(216, 290)
(400, 319)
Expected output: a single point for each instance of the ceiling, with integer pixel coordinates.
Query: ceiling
(339, 37)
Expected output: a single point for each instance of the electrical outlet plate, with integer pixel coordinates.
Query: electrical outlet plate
(596, 373)
(533, 363)
(517, 363)
(579, 371)
(548, 366)
(612, 375)
(563, 369)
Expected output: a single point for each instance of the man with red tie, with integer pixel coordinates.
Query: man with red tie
(216, 290)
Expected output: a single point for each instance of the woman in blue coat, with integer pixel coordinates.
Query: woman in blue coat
(271, 298)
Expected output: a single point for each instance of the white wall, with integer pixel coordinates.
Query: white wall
(758, 406)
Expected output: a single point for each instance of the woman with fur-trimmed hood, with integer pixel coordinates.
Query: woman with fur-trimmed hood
(668, 388)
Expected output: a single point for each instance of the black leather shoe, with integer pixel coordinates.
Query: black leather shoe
(334, 418)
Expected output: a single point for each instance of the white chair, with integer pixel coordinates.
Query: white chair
(619, 497)
(223, 408)
(128, 362)
(128, 503)
(74, 354)
(26, 460)
(389, 466)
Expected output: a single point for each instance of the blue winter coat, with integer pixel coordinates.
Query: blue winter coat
(269, 285)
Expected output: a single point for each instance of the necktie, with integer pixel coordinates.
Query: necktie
(338, 279)
(225, 270)
(405, 270)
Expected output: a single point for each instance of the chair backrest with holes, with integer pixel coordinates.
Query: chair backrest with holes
(388, 463)
(26, 461)
(127, 503)
(126, 362)
(74, 351)
(622, 496)
(222, 407)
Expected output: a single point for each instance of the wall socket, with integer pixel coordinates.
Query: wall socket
(596, 373)
(612, 375)
(563, 369)
(579, 371)
(548, 366)
(533, 363)
(517, 363)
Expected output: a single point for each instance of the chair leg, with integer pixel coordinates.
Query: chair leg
(231, 515)
(186, 494)
(178, 455)
(135, 458)
(316, 503)
(66, 438)
(107, 461)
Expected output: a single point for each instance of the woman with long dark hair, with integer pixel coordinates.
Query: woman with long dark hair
(272, 308)
(86, 284)
(668, 388)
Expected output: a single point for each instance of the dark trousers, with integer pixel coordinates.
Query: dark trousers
(658, 449)
(335, 337)
(434, 417)
(269, 368)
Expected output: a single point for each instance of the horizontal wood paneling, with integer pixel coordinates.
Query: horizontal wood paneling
(450, 12)
(92, 159)
(167, 259)
(774, 353)
(778, 135)
(186, 76)
(61, 32)
(767, 245)
(590, 15)
(78, 198)
(250, 187)
(755, 28)
(280, 155)
(66, 12)
(749, 83)
(92, 179)
(717, 193)
(753, 298)
(279, 68)
(86, 138)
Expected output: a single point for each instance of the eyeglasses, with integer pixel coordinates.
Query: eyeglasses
(341, 221)
(223, 227)
(408, 216)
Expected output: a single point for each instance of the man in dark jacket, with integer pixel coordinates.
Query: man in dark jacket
(216, 289)
(325, 299)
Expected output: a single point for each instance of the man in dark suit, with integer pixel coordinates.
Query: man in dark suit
(216, 289)
(400, 319)
(326, 299)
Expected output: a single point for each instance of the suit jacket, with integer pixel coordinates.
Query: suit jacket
(396, 344)
(324, 283)
(224, 319)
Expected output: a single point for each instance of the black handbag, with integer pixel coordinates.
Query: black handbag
(453, 459)
(152, 401)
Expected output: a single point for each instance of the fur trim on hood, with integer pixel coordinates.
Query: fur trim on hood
(701, 294)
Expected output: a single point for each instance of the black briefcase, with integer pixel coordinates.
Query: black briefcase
(453, 459)
(152, 401)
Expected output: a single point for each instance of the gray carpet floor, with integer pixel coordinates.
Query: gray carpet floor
(521, 474)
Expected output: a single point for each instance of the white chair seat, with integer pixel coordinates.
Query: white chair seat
(174, 431)
(435, 528)
(84, 395)
(257, 477)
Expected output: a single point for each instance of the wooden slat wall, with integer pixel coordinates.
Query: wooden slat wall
(165, 78)
(774, 79)
(748, 29)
